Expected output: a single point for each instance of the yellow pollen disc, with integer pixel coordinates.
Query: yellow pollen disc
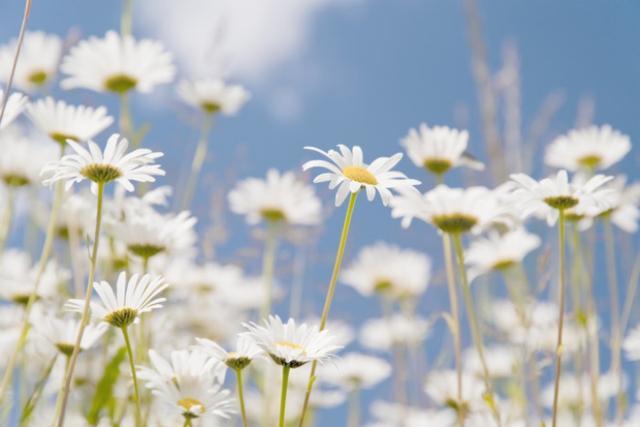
(290, 344)
(189, 403)
(359, 174)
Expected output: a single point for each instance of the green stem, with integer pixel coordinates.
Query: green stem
(64, 395)
(42, 264)
(329, 297)
(7, 216)
(126, 18)
(198, 160)
(476, 334)
(240, 386)
(187, 422)
(561, 297)
(125, 123)
(268, 267)
(136, 394)
(283, 394)
(33, 400)
(354, 408)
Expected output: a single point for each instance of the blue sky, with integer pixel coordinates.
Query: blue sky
(364, 72)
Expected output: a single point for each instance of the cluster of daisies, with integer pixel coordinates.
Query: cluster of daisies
(112, 316)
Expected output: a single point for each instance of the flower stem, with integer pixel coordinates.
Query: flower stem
(283, 394)
(126, 127)
(64, 395)
(240, 386)
(42, 264)
(561, 286)
(198, 160)
(476, 334)
(455, 321)
(187, 422)
(136, 394)
(329, 297)
(268, 266)
(354, 408)
(126, 18)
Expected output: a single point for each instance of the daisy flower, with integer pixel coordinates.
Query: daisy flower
(213, 96)
(117, 64)
(189, 384)
(550, 195)
(631, 344)
(22, 158)
(246, 350)
(441, 387)
(39, 57)
(101, 168)
(278, 198)
(383, 334)
(356, 371)
(389, 270)
(451, 210)
(349, 174)
(13, 108)
(61, 121)
(623, 201)
(62, 332)
(589, 148)
(439, 148)
(499, 251)
(131, 298)
(17, 277)
(291, 345)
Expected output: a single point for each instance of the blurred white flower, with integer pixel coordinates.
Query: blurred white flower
(384, 333)
(503, 361)
(349, 174)
(61, 333)
(631, 344)
(13, 108)
(591, 148)
(17, 277)
(213, 96)
(623, 201)
(38, 63)
(62, 121)
(23, 157)
(245, 351)
(117, 64)
(389, 270)
(439, 148)
(575, 390)
(441, 386)
(355, 371)
(279, 197)
(388, 414)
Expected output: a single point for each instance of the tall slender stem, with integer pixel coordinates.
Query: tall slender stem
(64, 396)
(126, 127)
(283, 394)
(354, 408)
(561, 286)
(136, 394)
(42, 264)
(268, 267)
(455, 318)
(198, 160)
(329, 297)
(126, 19)
(240, 387)
(187, 422)
(7, 217)
(476, 334)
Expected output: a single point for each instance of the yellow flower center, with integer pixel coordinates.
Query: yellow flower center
(189, 403)
(61, 138)
(145, 250)
(561, 202)
(454, 223)
(273, 214)
(101, 172)
(590, 161)
(210, 107)
(290, 344)
(120, 83)
(38, 78)
(121, 318)
(359, 174)
(437, 166)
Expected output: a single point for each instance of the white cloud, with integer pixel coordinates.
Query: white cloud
(243, 39)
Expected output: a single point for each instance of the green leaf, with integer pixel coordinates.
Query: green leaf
(30, 405)
(104, 389)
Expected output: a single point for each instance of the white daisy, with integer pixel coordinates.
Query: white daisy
(62, 332)
(62, 121)
(389, 270)
(631, 344)
(548, 196)
(99, 167)
(213, 96)
(131, 299)
(389, 414)
(385, 333)
(348, 172)
(451, 210)
(499, 251)
(17, 277)
(23, 157)
(38, 62)
(441, 387)
(439, 148)
(246, 350)
(503, 362)
(190, 385)
(278, 198)
(13, 108)
(117, 64)
(623, 202)
(292, 345)
(356, 371)
(589, 148)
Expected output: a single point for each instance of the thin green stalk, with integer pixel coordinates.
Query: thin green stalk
(283, 394)
(268, 267)
(616, 338)
(455, 320)
(126, 19)
(329, 297)
(198, 160)
(30, 405)
(354, 408)
(240, 387)
(64, 395)
(476, 334)
(187, 422)
(42, 264)
(7, 217)
(125, 124)
(136, 394)
(561, 297)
